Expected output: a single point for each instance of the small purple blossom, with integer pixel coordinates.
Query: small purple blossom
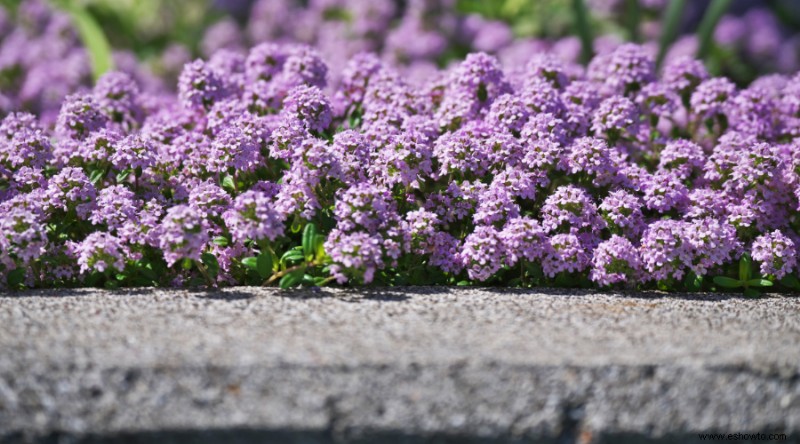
(615, 261)
(252, 216)
(101, 252)
(183, 234)
(776, 252)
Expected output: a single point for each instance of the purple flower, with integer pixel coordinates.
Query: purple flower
(183, 234)
(616, 117)
(134, 151)
(629, 68)
(776, 252)
(403, 160)
(592, 156)
(549, 68)
(265, 62)
(683, 74)
(233, 149)
(474, 85)
(664, 250)
(709, 244)
(101, 252)
(309, 105)
(23, 238)
(115, 206)
(464, 151)
(711, 97)
(665, 191)
(365, 207)
(71, 190)
(209, 198)
(571, 208)
(683, 157)
(79, 116)
(117, 96)
(523, 239)
(622, 212)
(25, 147)
(615, 261)
(482, 253)
(658, 100)
(751, 112)
(354, 152)
(199, 86)
(252, 216)
(564, 253)
(495, 205)
(356, 77)
(508, 111)
(357, 254)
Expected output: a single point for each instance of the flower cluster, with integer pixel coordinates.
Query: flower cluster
(257, 170)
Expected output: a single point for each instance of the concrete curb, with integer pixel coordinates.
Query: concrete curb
(404, 366)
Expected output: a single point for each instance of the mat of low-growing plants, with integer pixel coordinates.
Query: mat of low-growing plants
(260, 171)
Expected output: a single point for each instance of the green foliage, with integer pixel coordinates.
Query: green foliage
(93, 38)
(671, 25)
(705, 32)
(745, 279)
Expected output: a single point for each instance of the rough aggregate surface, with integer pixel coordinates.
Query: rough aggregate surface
(395, 365)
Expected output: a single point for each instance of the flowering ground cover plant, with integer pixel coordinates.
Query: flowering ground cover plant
(257, 172)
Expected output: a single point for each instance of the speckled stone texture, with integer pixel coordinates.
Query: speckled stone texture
(395, 366)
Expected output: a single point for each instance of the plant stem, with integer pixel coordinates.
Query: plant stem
(583, 29)
(204, 272)
(672, 21)
(633, 14)
(705, 32)
(283, 273)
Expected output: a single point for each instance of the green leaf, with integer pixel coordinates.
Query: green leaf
(264, 264)
(309, 233)
(633, 16)
(292, 279)
(705, 32)
(16, 277)
(745, 268)
(211, 263)
(297, 225)
(93, 39)
(228, 183)
(319, 246)
(292, 255)
(222, 241)
(122, 175)
(96, 175)
(693, 282)
(583, 29)
(760, 283)
(463, 283)
(790, 281)
(121, 277)
(187, 264)
(673, 16)
(251, 263)
(752, 292)
(318, 281)
(724, 281)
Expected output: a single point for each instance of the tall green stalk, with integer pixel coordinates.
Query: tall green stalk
(583, 29)
(672, 23)
(705, 32)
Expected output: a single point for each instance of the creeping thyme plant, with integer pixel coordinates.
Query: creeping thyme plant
(265, 167)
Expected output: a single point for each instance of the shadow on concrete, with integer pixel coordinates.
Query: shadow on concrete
(386, 294)
(251, 436)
